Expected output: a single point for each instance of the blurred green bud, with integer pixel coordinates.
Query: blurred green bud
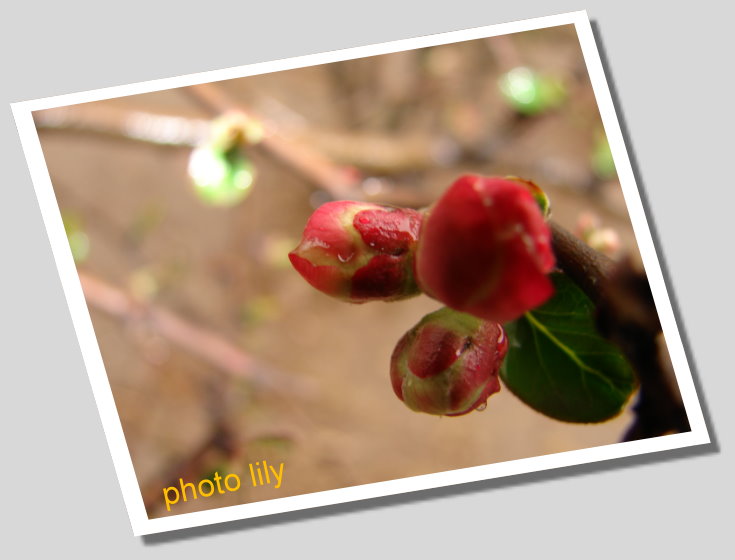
(530, 93)
(221, 172)
(78, 239)
(221, 178)
(602, 160)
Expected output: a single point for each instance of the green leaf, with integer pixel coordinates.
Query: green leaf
(558, 364)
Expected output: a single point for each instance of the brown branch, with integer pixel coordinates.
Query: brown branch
(341, 182)
(588, 268)
(504, 50)
(199, 341)
(627, 316)
(144, 126)
(384, 154)
(220, 446)
(380, 153)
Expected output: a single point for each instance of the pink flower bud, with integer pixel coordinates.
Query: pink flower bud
(485, 249)
(358, 252)
(448, 364)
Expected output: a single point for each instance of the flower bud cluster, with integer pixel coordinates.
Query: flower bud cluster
(483, 250)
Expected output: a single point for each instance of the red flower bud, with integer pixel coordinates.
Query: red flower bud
(485, 249)
(448, 364)
(358, 252)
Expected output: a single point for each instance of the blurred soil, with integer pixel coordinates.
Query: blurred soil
(226, 269)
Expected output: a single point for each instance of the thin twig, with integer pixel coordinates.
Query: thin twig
(340, 182)
(504, 50)
(201, 342)
(144, 126)
(220, 446)
(385, 154)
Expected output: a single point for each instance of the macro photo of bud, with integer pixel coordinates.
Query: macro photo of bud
(259, 260)
(358, 252)
(448, 363)
(485, 249)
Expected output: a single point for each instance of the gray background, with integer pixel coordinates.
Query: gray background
(672, 76)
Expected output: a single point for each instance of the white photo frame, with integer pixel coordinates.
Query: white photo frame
(140, 522)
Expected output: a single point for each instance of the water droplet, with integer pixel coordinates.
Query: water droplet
(482, 407)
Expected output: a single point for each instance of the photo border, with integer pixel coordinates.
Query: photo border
(102, 390)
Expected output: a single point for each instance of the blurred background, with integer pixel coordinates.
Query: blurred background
(181, 206)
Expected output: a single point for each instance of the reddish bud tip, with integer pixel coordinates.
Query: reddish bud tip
(359, 252)
(485, 249)
(448, 364)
